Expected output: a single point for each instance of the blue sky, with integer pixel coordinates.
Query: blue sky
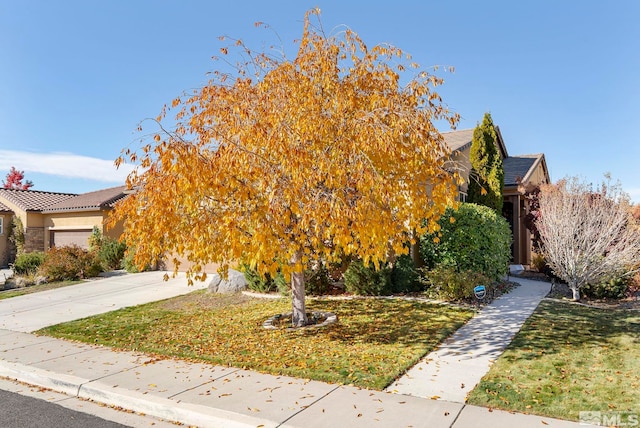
(558, 77)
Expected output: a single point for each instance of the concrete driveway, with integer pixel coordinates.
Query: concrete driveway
(34, 311)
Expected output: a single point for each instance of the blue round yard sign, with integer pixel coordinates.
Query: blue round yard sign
(480, 291)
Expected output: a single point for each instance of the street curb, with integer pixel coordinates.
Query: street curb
(164, 408)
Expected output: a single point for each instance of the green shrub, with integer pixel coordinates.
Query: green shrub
(473, 238)
(129, 265)
(367, 281)
(615, 288)
(263, 283)
(317, 281)
(111, 253)
(95, 239)
(448, 283)
(404, 276)
(28, 263)
(70, 263)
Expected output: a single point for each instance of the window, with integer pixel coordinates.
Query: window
(1, 225)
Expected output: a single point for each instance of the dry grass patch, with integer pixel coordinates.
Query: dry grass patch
(374, 342)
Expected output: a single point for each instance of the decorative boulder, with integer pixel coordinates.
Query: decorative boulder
(234, 283)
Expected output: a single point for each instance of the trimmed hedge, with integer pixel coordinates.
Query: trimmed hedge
(472, 238)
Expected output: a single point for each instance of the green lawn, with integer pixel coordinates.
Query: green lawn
(566, 359)
(374, 341)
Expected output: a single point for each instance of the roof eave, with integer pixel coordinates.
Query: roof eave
(75, 210)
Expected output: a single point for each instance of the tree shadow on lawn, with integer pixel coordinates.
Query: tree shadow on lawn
(556, 326)
(391, 322)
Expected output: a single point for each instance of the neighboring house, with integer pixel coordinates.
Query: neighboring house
(519, 172)
(56, 219)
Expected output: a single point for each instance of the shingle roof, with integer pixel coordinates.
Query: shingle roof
(458, 140)
(33, 200)
(518, 167)
(100, 199)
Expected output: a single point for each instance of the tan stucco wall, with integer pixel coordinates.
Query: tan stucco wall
(34, 219)
(17, 211)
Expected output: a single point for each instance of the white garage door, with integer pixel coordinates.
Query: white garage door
(62, 238)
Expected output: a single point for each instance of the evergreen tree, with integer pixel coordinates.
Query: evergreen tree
(486, 179)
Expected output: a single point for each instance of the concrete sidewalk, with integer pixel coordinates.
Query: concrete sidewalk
(213, 396)
(455, 368)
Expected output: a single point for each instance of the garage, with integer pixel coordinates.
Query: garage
(63, 238)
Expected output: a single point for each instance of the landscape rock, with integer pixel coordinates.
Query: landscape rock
(41, 280)
(235, 283)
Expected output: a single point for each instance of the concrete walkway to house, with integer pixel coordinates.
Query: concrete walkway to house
(455, 368)
(213, 396)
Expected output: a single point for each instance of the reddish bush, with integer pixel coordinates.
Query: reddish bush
(70, 263)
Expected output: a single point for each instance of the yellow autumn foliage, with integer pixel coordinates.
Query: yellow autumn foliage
(334, 153)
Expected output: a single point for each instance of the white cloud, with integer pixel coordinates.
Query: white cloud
(65, 165)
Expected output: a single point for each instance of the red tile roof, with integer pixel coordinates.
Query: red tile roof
(33, 200)
(4, 208)
(98, 200)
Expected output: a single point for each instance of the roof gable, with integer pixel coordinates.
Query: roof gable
(98, 200)
(458, 140)
(518, 169)
(33, 200)
(461, 140)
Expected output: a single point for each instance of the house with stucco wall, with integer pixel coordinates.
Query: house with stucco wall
(55, 219)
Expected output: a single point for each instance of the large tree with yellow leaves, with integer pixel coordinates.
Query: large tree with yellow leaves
(285, 164)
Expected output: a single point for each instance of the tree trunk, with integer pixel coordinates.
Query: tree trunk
(575, 290)
(297, 294)
(414, 251)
